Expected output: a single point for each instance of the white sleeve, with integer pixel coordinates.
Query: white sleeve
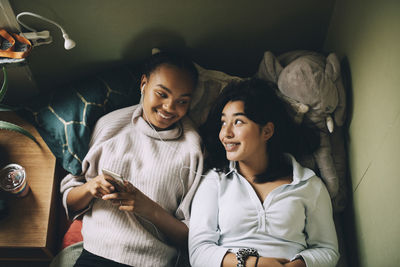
(320, 229)
(204, 231)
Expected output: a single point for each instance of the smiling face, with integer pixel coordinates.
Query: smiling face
(244, 140)
(167, 95)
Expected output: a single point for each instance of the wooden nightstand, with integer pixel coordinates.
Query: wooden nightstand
(28, 232)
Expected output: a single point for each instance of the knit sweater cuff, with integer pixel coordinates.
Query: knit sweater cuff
(73, 215)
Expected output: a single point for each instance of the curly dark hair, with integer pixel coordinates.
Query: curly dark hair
(261, 105)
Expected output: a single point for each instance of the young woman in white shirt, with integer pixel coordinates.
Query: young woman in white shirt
(258, 206)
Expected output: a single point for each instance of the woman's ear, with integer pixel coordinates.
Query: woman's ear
(143, 82)
(268, 130)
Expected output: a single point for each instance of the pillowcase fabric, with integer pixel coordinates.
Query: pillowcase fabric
(66, 116)
(209, 86)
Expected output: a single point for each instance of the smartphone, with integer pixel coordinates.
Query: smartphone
(115, 179)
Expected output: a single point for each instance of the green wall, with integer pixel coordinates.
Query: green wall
(223, 34)
(366, 35)
(232, 36)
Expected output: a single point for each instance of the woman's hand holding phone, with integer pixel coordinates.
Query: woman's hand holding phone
(115, 179)
(133, 200)
(99, 186)
(127, 196)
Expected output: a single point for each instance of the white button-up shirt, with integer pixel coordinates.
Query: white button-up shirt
(294, 219)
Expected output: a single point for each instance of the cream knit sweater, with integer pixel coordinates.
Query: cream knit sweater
(165, 165)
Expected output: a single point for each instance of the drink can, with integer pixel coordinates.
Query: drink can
(13, 180)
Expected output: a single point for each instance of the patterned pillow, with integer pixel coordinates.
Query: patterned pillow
(65, 117)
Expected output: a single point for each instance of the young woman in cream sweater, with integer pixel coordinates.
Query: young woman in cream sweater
(156, 149)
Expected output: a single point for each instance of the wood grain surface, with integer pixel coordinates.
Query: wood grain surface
(27, 231)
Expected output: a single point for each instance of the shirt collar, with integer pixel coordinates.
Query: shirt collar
(300, 173)
(232, 167)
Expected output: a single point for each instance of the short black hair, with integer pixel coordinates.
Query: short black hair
(178, 60)
(261, 105)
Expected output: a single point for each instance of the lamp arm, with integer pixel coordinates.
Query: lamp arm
(68, 44)
(37, 16)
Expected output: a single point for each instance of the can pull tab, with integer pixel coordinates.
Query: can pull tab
(14, 177)
(13, 180)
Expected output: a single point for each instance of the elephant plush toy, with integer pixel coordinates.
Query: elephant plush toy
(312, 86)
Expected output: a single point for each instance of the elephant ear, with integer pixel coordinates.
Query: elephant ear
(270, 68)
(333, 70)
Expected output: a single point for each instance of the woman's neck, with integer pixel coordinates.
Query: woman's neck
(249, 170)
